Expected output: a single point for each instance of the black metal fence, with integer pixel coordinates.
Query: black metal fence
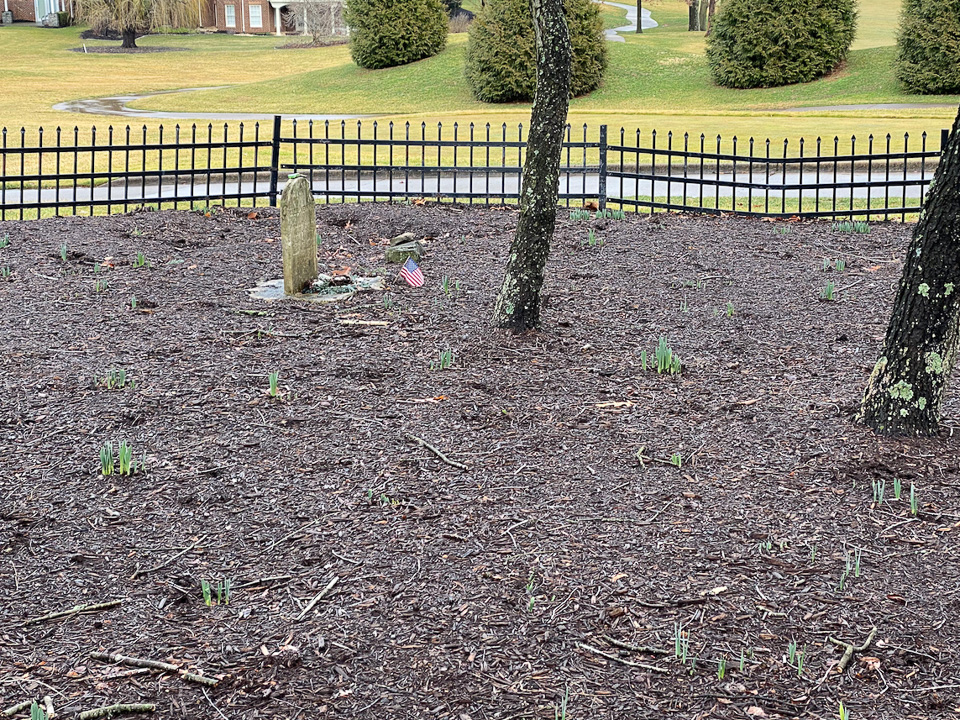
(247, 165)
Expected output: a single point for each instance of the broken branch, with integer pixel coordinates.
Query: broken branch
(14, 709)
(322, 594)
(850, 649)
(73, 611)
(111, 710)
(153, 665)
(423, 443)
(622, 661)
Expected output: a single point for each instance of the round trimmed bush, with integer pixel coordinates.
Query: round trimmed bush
(928, 44)
(767, 43)
(386, 33)
(501, 61)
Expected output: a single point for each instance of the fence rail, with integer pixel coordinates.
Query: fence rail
(62, 173)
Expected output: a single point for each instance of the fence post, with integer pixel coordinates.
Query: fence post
(602, 190)
(274, 160)
(944, 136)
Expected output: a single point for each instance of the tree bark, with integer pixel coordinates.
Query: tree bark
(129, 38)
(693, 15)
(518, 303)
(905, 392)
(702, 20)
(639, 16)
(711, 9)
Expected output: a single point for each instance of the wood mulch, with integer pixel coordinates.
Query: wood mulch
(373, 577)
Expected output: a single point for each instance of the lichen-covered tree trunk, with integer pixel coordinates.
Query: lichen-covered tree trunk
(906, 389)
(518, 303)
(693, 10)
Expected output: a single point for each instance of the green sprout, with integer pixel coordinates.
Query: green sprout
(561, 712)
(36, 712)
(721, 668)
(133, 302)
(207, 595)
(667, 362)
(117, 379)
(897, 488)
(140, 260)
(829, 292)
(99, 285)
(63, 252)
(273, 378)
(843, 714)
(879, 489)
(914, 502)
(444, 360)
(676, 460)
(681, 643)
(729, 309)
(106, 459)
(5, 241)
(5, 272)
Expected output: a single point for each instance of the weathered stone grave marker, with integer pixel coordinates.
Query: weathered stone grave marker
(298, 233)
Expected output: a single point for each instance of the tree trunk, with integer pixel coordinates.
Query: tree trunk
(639, 16)
(702, 20)
(905, 392)
(712, 8)
(518, 303)
(693, 15)
(129, 38)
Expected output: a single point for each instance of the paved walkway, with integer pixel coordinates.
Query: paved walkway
(117, 105)
(646, 22)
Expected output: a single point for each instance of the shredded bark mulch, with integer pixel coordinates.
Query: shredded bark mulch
(126, 51)
(542, 518)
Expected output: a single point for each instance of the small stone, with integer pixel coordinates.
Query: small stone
(403, 239)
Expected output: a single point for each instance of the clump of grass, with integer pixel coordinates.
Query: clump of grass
(729, 309)
(5, 272)
(444, 360)
(606, 214)
(140, 261)
(106, 459)
(449, 287)
(579, 214)
(5, 241)
(838, 265)
(121, 463)
(829, 292)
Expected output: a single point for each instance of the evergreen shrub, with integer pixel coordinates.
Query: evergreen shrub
(501, 61)
(386, 33)
(768, 43)
(928, 47)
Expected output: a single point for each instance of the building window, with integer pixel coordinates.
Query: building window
(231, 13)
(256, 16)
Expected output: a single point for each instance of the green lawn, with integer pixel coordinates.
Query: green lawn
(655, 80)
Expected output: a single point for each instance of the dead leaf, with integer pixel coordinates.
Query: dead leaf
(253, 215)
(754, 711)
(341, 271)
(871, 663)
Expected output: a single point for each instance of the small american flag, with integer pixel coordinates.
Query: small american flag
(412, 273)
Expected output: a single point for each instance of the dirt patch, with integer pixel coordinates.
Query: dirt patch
(727, 511)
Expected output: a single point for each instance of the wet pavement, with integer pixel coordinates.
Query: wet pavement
(646, 22)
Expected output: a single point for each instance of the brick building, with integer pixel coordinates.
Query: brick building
(265, 16)
(35, 10)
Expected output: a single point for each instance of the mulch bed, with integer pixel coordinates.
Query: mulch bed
(486, 592)
(111, 50)
(330, 42)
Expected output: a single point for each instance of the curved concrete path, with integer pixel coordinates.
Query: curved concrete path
(646, 21)
(879, 106)
(117, 105)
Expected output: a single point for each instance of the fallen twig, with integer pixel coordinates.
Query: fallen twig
(14, 709)
(296, 532)
(320, 596)
(262, 581)
(111, 710)
(850, 649)
(622, 661)
(635, 648)
(73, 611)
(138, 572)
(154, 665)
(431, 448)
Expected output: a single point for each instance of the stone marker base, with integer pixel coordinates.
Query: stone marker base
(6, 18)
